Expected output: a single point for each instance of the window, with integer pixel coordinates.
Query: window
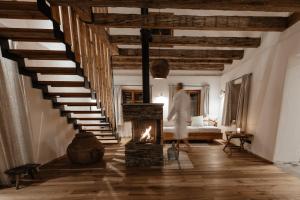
(132, 96)
(195, 101)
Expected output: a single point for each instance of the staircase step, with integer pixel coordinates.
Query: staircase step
(65, 94)
(53, 70)
(40, 54)
(77, 103)
(89, 119)
(72, 92)
(71, 110)
(109, 141)
(82, 112)
(103, 134)
(98, 124)
(28, 35)
(20, 10)
(106, 137)
(90, 116)
(64, 84)
(88, 122)
(95, 128)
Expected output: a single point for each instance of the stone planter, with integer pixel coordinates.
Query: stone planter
(85, 149)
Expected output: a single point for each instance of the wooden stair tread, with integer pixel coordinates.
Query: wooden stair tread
(88, 118)
(102, 121)
(106, 138)
(54, 70)
(18, 5)
(29, 35)
(40, 54)
(63, 83)
(20, 10)
(109, 141)
(103, 134)
(77, 103)
(82, 112)
(103, 128)
(17, 14)
(98, 124)
(68, 94)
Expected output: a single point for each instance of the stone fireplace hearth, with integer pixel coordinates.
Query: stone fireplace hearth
(145, 149)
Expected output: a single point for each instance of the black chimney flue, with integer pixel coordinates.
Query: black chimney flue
(145, 38)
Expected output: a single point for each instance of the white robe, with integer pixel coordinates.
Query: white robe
(181, 109)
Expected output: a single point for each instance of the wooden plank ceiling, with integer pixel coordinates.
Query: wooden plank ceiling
(188, 52)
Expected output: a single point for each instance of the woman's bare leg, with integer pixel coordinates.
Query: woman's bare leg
(186, 142)
(177, 144)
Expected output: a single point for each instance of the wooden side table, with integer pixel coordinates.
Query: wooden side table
(243, 137)
(17, 172)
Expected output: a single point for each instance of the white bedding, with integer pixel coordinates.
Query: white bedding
(195, 129)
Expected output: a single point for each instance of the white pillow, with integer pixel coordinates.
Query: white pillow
(197, 121)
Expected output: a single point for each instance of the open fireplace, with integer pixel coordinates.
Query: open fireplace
(145, 149)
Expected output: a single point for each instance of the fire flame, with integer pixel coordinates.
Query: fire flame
(146, 135)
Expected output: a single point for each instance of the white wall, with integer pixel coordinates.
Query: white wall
(161, 87)
(268, 65)
(288, 138)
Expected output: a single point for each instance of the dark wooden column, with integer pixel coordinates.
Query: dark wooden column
(145, 37)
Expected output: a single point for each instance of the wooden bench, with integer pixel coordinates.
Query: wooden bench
(17, 172)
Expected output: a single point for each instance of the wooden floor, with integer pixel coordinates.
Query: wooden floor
(214, 176)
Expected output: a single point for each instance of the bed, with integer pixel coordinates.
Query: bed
(195, 131)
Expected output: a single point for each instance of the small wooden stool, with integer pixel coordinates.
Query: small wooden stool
(243, 137)
(17, 172)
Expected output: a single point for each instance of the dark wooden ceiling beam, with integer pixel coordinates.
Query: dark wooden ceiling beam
(137, 60)
(174, 67)
(241, 42)
(188, 22)
(171, 53)
(239, 5)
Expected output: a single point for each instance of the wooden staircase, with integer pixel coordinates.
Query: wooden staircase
(67, 86)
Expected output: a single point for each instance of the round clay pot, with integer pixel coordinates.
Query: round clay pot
(85, 149)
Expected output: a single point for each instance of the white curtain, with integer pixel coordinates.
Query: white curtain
(242, 108)
(172, 91)
(15, 135)
(226, 119)
(205, 91)
(118, 106)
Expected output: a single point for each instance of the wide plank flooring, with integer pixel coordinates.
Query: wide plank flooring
(214, 176)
